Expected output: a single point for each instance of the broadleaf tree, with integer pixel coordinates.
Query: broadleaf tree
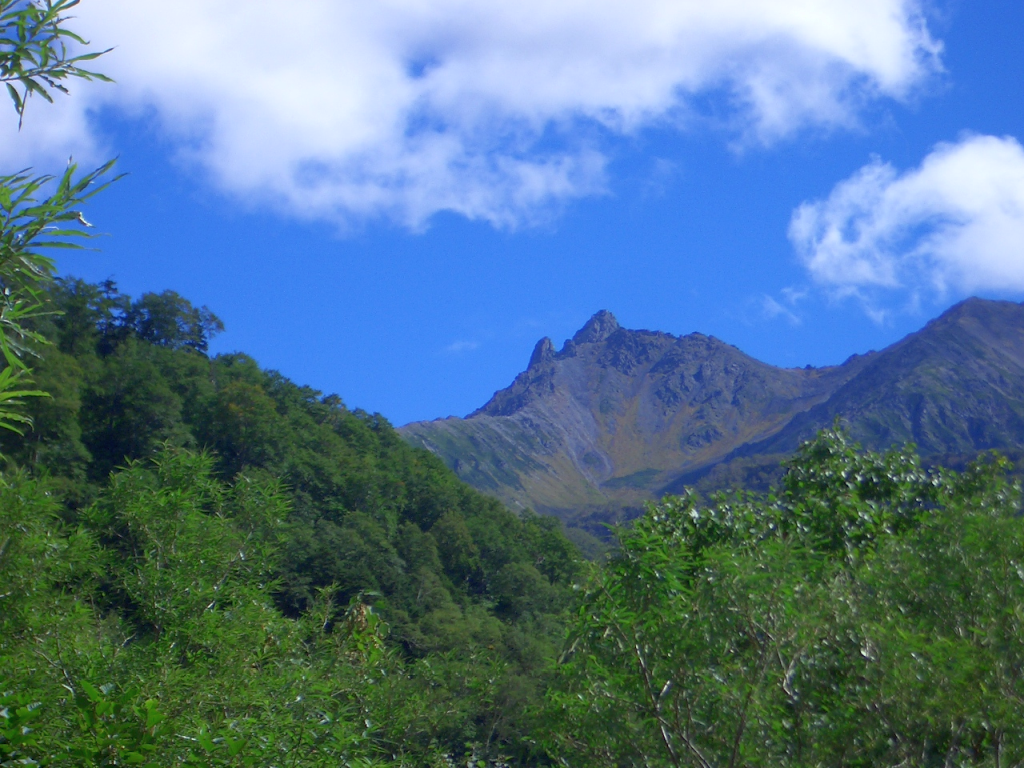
(869, 612)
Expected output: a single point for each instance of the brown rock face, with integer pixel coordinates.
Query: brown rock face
(617, 414)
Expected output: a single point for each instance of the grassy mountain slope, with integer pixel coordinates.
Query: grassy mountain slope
(616, 414)
(620, 416)
(955, 386)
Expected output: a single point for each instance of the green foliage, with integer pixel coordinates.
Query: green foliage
(170, 320)
(199, 662)
(11, 399)
(309, 583)
(34, 55)
(34, 58)
(114, 729)
(18, 740)
(29, 225)
(868, 613)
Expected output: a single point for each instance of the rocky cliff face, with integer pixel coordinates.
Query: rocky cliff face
(618, 416)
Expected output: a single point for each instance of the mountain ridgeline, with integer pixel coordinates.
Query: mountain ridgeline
(620, 416)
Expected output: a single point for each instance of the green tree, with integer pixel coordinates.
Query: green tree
(170, 320)
(147, 633)
(868, 612)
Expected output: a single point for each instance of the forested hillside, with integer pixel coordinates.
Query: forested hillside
(472, 595)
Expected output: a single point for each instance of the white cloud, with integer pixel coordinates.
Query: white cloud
(773, 308)
(345, 109)
(459, 347)
(955, 223)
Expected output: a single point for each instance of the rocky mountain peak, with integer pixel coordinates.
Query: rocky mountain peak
(542, 353)
(619, 416)
(597, 329)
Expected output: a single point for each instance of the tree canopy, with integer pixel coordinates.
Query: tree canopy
(868, 612)
(137, 457)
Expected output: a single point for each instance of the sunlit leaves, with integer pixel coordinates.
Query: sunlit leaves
(37, 213)
(36, 55)
(869, 612)
(32, 222)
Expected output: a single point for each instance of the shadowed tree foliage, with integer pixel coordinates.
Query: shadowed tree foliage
(473, 597)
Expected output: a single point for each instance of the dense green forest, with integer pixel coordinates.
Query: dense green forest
(336, 512)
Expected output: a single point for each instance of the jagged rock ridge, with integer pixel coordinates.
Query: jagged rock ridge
(617, 416)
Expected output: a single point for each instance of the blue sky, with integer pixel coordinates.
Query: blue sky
(402, 227)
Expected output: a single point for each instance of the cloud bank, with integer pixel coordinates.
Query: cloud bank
(346, 109)
(953, 224)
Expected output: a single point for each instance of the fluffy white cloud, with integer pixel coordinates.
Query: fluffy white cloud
(345, 108)
(954, 223)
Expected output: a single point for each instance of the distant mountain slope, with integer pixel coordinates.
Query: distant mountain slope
(619, 416)
(956, 387)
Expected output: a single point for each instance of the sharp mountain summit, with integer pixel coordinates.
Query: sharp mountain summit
(619, 416)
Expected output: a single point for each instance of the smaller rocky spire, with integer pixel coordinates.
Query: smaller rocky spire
(543, 352)
(598, 328)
